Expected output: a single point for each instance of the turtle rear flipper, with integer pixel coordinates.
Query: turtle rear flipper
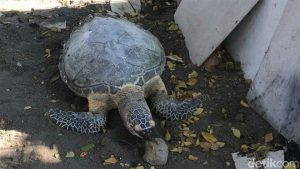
(82, 122)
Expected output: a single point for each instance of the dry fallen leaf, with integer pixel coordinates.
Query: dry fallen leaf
(264, 148)
(192, 158)
(53, 101)
(177, 150)
(205, 145)
(195, 95)
(198, 111)
(209, 137)
(70, 154)
(110, 160)
(244, 104)
(181, 84)
(171, 65)
(27, 108)
(268, 137)
(220, 144)
(244, 148)
(197, 143)
(83, 154)
(48, 52)
(187, 143)
(139, 167)
(167, 136)
(291, 165)
(236, 132)
(211, 62)
(174, 58)
(173, 27)
(194, 74)
(192, 82)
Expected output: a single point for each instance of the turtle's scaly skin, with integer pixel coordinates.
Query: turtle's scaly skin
(116, 64)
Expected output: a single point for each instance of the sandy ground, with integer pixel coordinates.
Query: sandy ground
(29, 78)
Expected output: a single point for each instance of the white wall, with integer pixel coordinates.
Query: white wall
(250, 41)
(275, 91)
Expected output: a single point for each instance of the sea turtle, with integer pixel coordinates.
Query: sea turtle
(116, 64)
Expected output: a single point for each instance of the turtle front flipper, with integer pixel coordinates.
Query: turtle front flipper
(172, 109)
(167, 107)
(82, 122)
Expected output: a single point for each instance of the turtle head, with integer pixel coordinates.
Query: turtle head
(135, 112)
(140, 122)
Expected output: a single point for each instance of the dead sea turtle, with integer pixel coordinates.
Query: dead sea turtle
(116, 64)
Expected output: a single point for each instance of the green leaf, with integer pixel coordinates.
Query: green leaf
(87, 147)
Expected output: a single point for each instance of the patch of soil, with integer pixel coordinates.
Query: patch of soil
(28, 77)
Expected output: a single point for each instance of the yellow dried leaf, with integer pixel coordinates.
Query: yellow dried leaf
(185, 129)
(173, 27)
(244, 104)
(268, 137)
(198, 111)
(55, 29)
(167, 136)
(209, 137)
(171, 65)
(205, 145)
(193, 135)
(175, 58)
(48, 51)
(110, 160)
(152, 167)
(194, 74)
(264, 148)
(173, 79)
(236, 132)
(196, 118)
(70, 154)
(291, 165)
(192, 158)
(139, 167)
(192, 82)
(255, 146)
(220, 144)
(197, 143)
(174, 149)
(27, 108)
(181, 84)
(244, 148)
(187, 143)
(195, 95)
(53, 101)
